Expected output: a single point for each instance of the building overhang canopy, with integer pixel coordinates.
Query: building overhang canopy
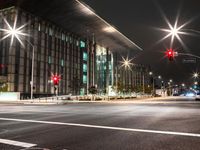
(76, 17)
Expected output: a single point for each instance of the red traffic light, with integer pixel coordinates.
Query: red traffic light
(170, 54)
(55, 79)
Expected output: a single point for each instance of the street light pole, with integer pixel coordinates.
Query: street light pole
(116, 79)
(32, 71)
(32, 67)
(151, 74)
(143, 83)
(153, 85)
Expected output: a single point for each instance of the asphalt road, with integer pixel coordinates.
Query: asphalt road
(101, 126)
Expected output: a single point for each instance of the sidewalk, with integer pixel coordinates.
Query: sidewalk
(133, 100)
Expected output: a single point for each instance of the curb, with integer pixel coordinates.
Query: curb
(60, 102)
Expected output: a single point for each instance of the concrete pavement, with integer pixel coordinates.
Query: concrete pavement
(102, 126)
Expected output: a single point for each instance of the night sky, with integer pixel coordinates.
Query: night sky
(140, 19)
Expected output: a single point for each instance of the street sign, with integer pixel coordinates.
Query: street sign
(175, 54)
(189, 60)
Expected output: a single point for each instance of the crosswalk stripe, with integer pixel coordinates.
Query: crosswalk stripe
(16, 143)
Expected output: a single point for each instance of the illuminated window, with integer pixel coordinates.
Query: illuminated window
(49, 60)
(62, 62)
(82, 44)
(77, 43)
(39, 27)
(63, 36)
(50, 31)
(85, 56)
(84, 67)
(67, 38)
(84, 79)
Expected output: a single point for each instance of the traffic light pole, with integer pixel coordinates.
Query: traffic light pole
(56, 79)
(143, 86)
(56, 90)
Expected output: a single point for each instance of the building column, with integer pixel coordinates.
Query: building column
(107, 69)
(88, 66)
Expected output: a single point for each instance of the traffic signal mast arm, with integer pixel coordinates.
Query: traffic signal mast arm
(171, 54)
(187, 54)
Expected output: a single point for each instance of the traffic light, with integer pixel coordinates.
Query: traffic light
(55, 79)
(170, 54)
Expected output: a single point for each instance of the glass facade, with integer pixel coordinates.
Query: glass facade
(104, 65)
(56, 52)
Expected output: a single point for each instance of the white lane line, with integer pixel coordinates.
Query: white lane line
(16, 143)
(105, 127)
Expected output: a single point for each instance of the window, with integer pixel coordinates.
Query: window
(39, 27)
(85, 56)
(62, 62)
(49, 60)
(84, 67)
(50, 31)
(84, 79)
(82, 44)
(63, 36)
(67, 38)
(77, 43)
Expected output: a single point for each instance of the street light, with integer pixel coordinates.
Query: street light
(183, 84)
(150, 73)
(174, 31)
(195, 75)
(126, 63)
(18, 33)
(161, 82)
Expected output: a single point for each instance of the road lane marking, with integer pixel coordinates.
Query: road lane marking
(17, 143)
(105, 127)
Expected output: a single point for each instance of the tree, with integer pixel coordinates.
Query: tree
(92, 90)
(120, 87)
(148, 89)
(3, 87)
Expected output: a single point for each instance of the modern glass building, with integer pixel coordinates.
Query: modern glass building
(104, 73)
(72, 42)
(56, 52)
